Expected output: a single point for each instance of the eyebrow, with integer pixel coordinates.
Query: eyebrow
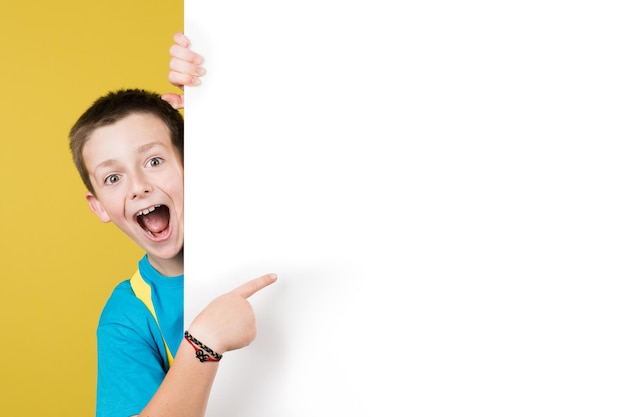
(143, 148)
(148, 146)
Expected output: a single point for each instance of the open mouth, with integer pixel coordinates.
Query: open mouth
(154, 220)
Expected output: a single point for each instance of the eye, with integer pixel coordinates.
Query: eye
(112, 179)
(154, 162)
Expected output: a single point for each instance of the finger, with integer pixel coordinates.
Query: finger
(251, 287)
(177, 101)
(185, 54)
(185, 67)
(181, 80)
(181, 39)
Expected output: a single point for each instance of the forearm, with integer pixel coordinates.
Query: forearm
(226, 324)
(185, 390)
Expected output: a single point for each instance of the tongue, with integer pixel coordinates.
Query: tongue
(157, 221)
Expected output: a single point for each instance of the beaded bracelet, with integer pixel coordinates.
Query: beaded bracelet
(203, 352)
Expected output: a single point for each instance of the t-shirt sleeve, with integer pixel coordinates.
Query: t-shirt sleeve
(130, 365)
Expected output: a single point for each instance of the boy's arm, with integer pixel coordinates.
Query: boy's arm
(227, 323)
(185, 69)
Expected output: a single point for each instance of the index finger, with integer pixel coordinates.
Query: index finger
(181, 39)
(253, 286)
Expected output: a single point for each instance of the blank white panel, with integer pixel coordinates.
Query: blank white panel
(439, 187)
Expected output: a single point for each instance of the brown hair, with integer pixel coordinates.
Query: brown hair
(113, 107)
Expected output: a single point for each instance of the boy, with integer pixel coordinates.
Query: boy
(128, 149)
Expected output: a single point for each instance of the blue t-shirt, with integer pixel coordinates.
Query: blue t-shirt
(132, 360)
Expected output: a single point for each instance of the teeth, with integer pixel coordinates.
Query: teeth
(148, 210)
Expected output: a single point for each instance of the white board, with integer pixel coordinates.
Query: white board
(438, 185)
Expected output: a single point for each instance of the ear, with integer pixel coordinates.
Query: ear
(96, 208)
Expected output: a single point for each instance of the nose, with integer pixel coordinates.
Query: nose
(139, 187)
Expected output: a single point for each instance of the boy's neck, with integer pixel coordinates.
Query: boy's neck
(168, 267)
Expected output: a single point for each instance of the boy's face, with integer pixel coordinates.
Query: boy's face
(137, 176)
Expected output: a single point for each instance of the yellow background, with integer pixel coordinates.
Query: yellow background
(59, 263)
